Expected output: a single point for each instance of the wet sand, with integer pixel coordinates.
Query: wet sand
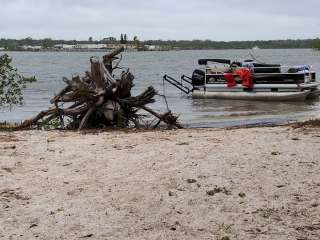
(257, 183)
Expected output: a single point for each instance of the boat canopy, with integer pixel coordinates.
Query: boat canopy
(205, 61)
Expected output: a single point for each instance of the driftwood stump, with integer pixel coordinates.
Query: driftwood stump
(98, 99)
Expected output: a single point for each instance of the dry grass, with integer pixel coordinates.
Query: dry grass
(312, 123)
(6, 126)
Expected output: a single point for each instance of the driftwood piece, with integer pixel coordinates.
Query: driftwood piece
(61, 93)
(125, 84)
(110, 57)
(100, 99)
(34, 120)
(167, 117)
(143, 99)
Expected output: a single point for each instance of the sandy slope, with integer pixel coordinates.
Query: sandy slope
(190, 184)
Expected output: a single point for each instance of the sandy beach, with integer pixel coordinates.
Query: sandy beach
(255, 183)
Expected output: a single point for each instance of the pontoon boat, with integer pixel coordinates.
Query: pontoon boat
(249, 80)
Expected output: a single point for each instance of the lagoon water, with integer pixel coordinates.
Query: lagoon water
(149, 67)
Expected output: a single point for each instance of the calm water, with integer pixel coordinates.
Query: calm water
(149, 67)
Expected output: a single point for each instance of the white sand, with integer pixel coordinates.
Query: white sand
(155, 185)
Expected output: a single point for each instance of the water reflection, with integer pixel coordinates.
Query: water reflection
(246, 112)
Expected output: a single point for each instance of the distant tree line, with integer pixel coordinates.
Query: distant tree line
(208, 44)
(316, 44)
(13, 44)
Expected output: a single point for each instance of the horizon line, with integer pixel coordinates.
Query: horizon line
(165, 40)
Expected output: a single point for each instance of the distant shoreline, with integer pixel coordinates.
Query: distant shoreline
(173, 50)
(64, 50)
(153, 45)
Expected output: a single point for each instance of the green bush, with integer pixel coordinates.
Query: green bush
(316, 44)
(11, 83)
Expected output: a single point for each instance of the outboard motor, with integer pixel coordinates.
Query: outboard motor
(198, 78)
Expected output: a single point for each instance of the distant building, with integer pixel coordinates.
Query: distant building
(109, 40)
(127, 47)
(153, 47)
(90, 46)
(30, 48)
(63, 46)
(93, 47)
(69, 47)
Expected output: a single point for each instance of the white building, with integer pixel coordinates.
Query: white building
(127, 47)
(31, 48)
(80, 46)
(64, 46)
(153, 47)
(2, 48)
(90, 46)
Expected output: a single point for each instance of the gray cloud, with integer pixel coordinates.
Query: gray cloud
(166, 19)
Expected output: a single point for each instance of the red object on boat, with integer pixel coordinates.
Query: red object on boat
(244, 73)
(230, 80)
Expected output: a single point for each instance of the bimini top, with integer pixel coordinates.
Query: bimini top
(216, 60)
(256, 67)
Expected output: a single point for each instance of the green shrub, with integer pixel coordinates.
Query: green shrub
(316, 44)
(11, 83)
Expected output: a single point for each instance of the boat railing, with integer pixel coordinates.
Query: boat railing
(283, 70)
(177, 84)
(186, 79)
(212, 68)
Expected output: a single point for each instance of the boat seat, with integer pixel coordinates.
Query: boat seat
(266, 68)
(220, 69)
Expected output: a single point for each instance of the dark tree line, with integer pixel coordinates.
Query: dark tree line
(316, 44)
(13, 44)
(208, 44)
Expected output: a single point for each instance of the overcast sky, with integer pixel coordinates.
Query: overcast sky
(225, 20)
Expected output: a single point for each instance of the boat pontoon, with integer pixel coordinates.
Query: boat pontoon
(249, 80)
